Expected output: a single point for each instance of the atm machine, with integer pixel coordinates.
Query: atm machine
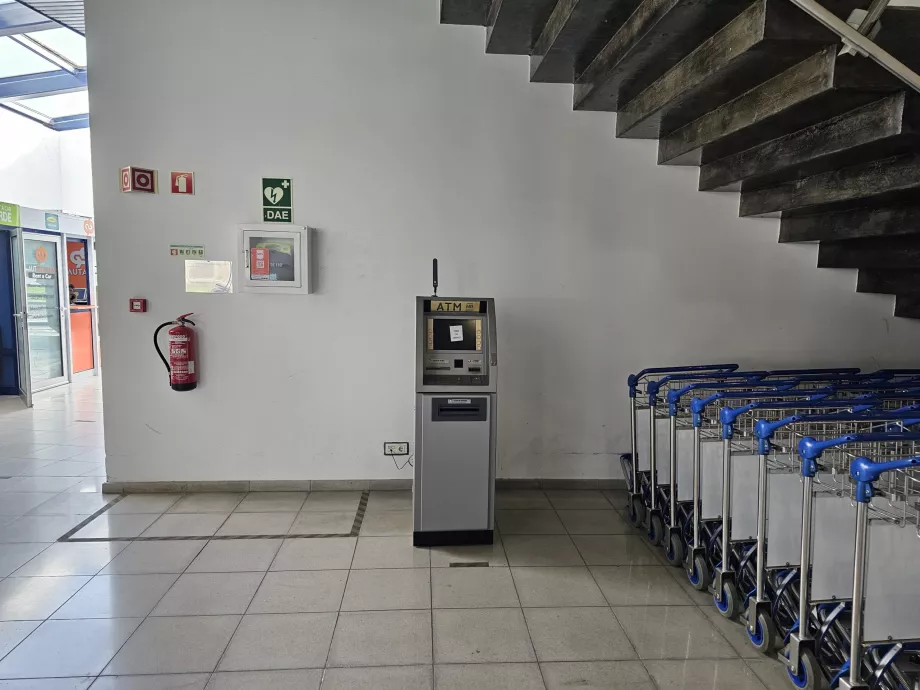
(455, 384)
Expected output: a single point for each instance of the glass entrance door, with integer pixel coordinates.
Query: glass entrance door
(19, 314)
(45, 312)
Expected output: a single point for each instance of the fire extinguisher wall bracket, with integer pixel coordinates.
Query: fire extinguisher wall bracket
(182, 362)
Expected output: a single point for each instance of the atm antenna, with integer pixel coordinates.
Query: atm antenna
(434, 276)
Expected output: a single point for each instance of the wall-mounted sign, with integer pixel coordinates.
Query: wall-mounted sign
(138, 180)
(444, 305)
(209, 277)
(182, 182)
(9, 214)
(76, 270)
(187, 251)
(52, 222)
(88, 226)
(277, 196)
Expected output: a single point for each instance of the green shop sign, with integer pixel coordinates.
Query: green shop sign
(9, 214)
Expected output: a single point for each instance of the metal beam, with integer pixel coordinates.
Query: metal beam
(42, 84)
(69, 122)
(19, 19)
(67, 13)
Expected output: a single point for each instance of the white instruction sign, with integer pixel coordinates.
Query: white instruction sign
(456, 334)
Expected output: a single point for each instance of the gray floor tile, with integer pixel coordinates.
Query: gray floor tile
(382, 638)
(387, 589)
(379, 678)
(117, 596)
(528, 499)
(207, 503)
(14, 556)
(701, 599)
(190, 644)
(595, 522)
(73, 504)
(577, 634)
(286, 641)
(639, 585)
(41, 484)
(389, 552)
(173, 681)
(481, 636)
(71, 559)
(492, 554)
(17, 504)
(150, 557)
(565, 586)
(68, 648)
(528, 522)
(770, 672)
(332, 502)
(323, 523)
(144, 503)
(267, 680)
(112, 526)
(236, 555)
(734, 632)
(614, 549)
(578, 499)
(335, 553)
(379, 501)
(35, 598)
(473, 588)
(537, 550)
(47, 684)
(247, 524)
(597, 675)
(488, 677)
(186, 525)
(703, 675)
(300, 591)
(272, 502)
(617, 497)
(209, 594)
(387, 524)
(36, 528)
(672, 632)
(14, 632)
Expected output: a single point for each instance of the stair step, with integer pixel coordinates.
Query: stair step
(574, 33)
(907, 306)
(892, 282)
(851, 224)
(658, 35)
(880, 129)
(878, 253)
(764, 40)
(881, 182)
(816, 89)
(468, 12)
(514, 25)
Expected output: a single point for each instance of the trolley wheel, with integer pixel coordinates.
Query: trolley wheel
(763, 638)
(699, 575)
(636, 512)
(655, 529)
(727, 601)
(675, 550)
(809, 674)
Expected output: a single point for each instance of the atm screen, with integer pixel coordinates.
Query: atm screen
(455, 334)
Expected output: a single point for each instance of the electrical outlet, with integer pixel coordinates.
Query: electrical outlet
(399, 448)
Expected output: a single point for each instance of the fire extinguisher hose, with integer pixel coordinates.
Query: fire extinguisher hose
(156, 345)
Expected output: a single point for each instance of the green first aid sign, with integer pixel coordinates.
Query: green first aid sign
(9, 214)
(277, 200)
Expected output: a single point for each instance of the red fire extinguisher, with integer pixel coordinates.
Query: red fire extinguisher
(182, 367)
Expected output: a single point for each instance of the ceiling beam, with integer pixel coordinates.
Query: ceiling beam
(19, 19)
(42, 84)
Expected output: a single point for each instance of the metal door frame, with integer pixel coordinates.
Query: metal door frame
(23, 364)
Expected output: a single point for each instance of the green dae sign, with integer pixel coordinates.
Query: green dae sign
(277, 204)
(9, 214)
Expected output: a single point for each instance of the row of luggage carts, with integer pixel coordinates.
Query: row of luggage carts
(793, 496)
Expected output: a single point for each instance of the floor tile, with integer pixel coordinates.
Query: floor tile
(266, 680)
(616, 497)
(148, 557)
(557, 587)
(639, 585)
(71, 559)
(66, 468)
(47, 684)
(382, 638)
(734, 632)
(703, 675)
(522, 500)
(701, 599)
(672, 632)
(488, 677)
(292, 640)
(52, 485)
(144, 503)
(35, 598)
(538, 550)
(32, 528)
(387, 524)
(117, 596)
(113, 526)
(300, 591)
(14, 632)
(69, 503)
(389, 552)
(236, 555)
(323, 523)
(770, 672)
(595, 522)
(387, 589)
(481, 636)
(596, 675)
(186, 525)
(17, 503)
(492, 554)
(209, 594)
(472, 588)
(14, 556)
(207, 503)
(68, 648)
(335, 553)
(379, 501)
(257, 523)
(188, 644)
(379, 678)
(332, 501)
(54, 452)
(577, 634)
(578, 499)
(614, 549)
(272, 502)
(528, 522)
(173, 681)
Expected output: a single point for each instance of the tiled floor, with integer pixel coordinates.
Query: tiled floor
(570, 595)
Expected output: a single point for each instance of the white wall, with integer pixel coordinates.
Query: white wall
(76, 172)
(406, 141)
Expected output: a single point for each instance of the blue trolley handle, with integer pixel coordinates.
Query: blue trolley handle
(751, 376)
(807, 372)
(811, 448)
(633, 379)
(698, 405)
(755, 381)
(865, 473)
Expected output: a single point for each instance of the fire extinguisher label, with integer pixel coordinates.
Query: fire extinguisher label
(191, 367)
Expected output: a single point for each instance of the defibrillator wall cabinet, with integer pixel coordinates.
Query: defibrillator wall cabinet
(455, 413)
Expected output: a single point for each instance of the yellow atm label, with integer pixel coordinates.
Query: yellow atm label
(443, 306)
